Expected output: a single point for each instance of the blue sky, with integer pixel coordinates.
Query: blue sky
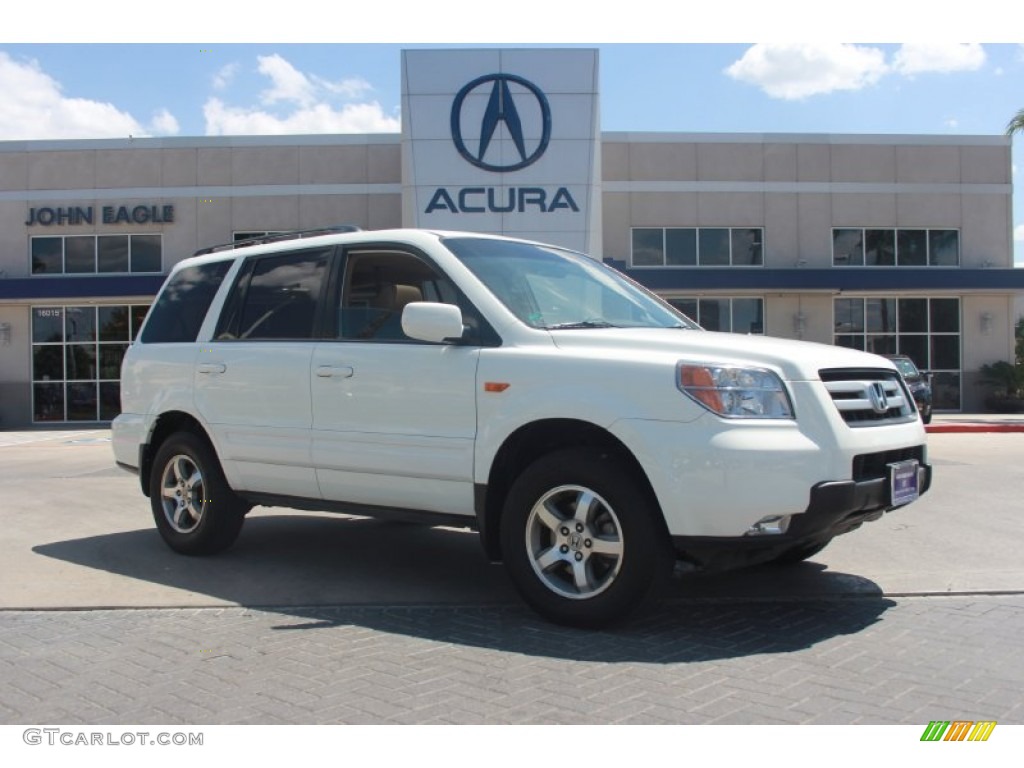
(76, 88)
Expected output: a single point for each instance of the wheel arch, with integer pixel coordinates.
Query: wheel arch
(166, 425)
(529, 443)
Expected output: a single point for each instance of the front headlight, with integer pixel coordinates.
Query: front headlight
(739, 393)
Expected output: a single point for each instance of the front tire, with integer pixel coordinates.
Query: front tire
(195, 510)
(582, 539)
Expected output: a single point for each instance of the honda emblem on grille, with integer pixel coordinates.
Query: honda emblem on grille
(877, 396)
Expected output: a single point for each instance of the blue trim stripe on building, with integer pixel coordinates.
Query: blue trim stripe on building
(79, 287)
(835, 279)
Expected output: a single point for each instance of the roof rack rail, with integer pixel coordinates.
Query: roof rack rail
(297, 234)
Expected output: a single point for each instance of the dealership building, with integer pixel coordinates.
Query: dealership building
(889, 243)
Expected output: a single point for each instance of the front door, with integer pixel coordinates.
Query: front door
(394, 420)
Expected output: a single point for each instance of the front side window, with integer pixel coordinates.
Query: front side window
(377, 287)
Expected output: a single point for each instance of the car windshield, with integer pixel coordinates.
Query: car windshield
(907, 367)
(556, 289)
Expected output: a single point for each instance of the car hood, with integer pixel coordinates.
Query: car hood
(795, 360)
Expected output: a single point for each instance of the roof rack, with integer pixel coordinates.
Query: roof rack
(277, 237)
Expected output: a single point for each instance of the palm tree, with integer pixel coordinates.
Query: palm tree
(1016, 125)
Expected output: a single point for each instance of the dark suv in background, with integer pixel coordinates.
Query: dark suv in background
(920, 384)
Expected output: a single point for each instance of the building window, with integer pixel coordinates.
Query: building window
(745, 315)
(926, 330)
(697, 247)
(76, 360)
(96, 254)
(856, 247)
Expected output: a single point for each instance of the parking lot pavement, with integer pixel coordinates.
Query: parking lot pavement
(318, 618)
(835, 661)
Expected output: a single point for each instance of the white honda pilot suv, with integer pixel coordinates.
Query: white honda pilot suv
(592, 434)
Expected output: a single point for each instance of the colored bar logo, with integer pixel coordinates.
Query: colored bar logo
(958, 730)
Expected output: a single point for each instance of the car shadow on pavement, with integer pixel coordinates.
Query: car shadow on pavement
(435, 584)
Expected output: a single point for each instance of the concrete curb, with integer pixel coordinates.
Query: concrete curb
(962, 427)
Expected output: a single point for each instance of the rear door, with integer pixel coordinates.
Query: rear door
(252, 381)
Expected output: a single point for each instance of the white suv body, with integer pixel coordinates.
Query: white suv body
(589, 432)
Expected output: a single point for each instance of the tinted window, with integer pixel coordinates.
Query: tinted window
(80, 254)
(181, 308)
(378, 285)
(145, 253)
(714, 247)
(746, 246)
(912, 245)
(880, 248)
(648, 247)
(848, 247)
(943, 247)
(282, 296)
(681, 247)
(47, 255)
(113, 253)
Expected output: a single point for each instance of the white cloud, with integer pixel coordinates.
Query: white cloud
(796, 71)
(222, 119)
(287, 83)
(351, 88)
(35, 108)
(225, 75)
(299, 102)
(1018, 233)
(918, 58)
(164, 123)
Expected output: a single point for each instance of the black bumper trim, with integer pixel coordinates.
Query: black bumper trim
(834, 508)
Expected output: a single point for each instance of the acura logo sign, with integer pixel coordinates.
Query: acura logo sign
(504, 108)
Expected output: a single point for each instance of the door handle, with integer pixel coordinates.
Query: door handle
(335, 371)
(212, 368)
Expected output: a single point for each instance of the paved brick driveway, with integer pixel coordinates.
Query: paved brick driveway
(844, 660)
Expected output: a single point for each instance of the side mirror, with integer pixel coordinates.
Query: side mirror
(428, 321)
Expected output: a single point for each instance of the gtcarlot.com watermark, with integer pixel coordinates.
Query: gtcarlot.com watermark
(71, 738)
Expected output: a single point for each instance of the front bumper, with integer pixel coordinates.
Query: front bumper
(834, 508)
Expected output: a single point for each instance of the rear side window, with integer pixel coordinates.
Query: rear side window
(181, 308)
(276, 297)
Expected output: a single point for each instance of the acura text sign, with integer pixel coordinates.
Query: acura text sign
(503, 141)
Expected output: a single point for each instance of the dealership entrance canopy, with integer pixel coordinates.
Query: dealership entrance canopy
(889, 243)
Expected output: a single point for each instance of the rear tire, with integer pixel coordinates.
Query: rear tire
(582, 540)
(195, 510)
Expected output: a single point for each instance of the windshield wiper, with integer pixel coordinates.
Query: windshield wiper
(581, 324)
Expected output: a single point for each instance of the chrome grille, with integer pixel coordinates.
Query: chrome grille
(869, 397)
